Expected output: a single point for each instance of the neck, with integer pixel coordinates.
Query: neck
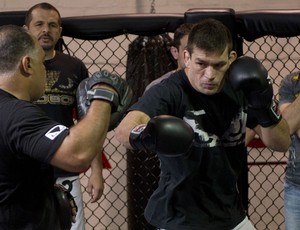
(15, 85)
(49, 54)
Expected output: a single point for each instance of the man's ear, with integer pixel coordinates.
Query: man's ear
(25, 27)
(232, 56)
(60, 32)
(174, 52)
(25, 66)
(187, 58)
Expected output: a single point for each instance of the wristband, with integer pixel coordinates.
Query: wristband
(266, 117)
(103, 94)
(135, 137)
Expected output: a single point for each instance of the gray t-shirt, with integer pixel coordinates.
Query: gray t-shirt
(288, 92)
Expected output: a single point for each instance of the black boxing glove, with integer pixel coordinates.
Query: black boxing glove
(167, 135)
(249, 75)
(120, 101)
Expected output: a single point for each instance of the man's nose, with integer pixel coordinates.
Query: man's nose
(209, 72)
(45, 28)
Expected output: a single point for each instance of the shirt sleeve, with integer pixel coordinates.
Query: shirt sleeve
(33, 134)
(158, 100)
(286, 89)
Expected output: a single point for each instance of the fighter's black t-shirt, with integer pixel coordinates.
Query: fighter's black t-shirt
(64, 73)
(28, 140)
(198, 191)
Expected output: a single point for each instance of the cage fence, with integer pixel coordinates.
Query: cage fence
(104, 42)
(266, 168)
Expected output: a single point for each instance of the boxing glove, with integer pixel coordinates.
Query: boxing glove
(250, 76)
(164, 134)
(120, 101)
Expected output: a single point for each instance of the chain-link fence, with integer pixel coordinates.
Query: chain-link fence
(112, 211)
(266, 168)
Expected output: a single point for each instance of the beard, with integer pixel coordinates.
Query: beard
(48, 44)
(47, 47)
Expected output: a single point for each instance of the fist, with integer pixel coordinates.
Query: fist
(249, 75)
(167, 135)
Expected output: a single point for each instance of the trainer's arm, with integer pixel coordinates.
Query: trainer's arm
(131, 120)
(85, 140)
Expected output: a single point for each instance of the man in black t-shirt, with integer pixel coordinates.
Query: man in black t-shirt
(31, 143)
(64, 73)
(195, 121)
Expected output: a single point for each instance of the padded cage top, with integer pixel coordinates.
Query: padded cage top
(249, 25)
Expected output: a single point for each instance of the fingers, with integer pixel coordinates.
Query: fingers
(74, 210)
(95, 194)
(95, 187)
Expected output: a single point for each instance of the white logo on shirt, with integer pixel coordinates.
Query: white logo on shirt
(55, 131)
(231, 137)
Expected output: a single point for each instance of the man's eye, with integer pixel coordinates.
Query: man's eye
(54, 25)
(219, 66)
(201, 64)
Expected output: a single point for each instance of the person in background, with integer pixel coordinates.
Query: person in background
(31, 143)
(179, 44)
(289, 107)
(64, 73)
(195, 121)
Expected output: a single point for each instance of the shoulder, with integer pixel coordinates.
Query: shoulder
(67, 63)
(290, 80)
(171, 89)
(173, 83)
(292, 77)
(66, 57)
(160, 79)
(28, 109)
(19, 112)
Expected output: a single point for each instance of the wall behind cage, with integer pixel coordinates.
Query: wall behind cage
(98, 7)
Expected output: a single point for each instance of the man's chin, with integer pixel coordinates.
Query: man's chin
(47, 47)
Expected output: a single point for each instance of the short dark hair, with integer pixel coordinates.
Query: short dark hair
(15, 42)
(44, 6)
(210, 35)
(183, 30)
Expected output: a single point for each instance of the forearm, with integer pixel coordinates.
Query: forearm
(131, 120)
(250, 134)
(275, 137)
(85, 140)
(95, 186)
(97, 164)
(291, 114)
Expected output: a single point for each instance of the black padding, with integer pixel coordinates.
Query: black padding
(108, 26)
(258, 23)
(12, 17)
(225, 15)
